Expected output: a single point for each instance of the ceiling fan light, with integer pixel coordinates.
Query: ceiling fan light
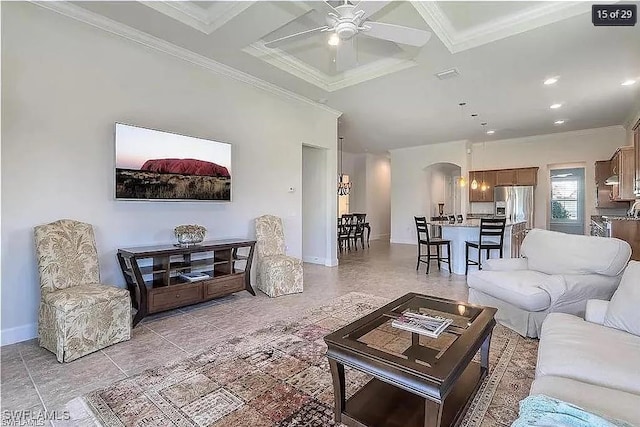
(334, 40)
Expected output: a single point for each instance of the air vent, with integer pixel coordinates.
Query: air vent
(448, 74)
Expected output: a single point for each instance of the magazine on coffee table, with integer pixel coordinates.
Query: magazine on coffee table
(431, 326)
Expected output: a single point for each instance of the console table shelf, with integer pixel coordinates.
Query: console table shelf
(153, 273)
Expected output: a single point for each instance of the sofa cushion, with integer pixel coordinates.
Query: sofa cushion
(519, 288)
(552, 252)
(600, 400)
(622, 312)
(573, 348)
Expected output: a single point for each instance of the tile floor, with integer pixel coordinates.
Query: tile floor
(33, 379)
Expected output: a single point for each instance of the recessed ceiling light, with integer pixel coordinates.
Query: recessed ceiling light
(491, 132)
(628, 82)
(554, 106)
(334, 40)
(559, 122)
(551, 80)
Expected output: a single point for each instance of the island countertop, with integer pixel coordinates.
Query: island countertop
(470, 223)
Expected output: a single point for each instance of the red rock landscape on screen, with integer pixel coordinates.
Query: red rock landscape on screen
(186, 167)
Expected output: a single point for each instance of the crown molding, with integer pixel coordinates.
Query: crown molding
(83, 15)
(204, 20)
(294, 66)
(503, 27)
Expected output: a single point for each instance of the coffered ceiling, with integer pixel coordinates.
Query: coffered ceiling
(391, 98)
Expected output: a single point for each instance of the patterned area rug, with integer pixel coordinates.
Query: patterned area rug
(279, 376)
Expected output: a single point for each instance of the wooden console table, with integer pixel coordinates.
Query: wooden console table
(153, 273)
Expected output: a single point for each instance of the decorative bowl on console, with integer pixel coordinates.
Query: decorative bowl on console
(189, 235)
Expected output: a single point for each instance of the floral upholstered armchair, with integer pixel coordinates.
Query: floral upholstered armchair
(277, 273)
(78, 315)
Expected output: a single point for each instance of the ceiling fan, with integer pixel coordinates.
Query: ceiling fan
(346, 21)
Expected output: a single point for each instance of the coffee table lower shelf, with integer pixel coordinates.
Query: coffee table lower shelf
(381, 404)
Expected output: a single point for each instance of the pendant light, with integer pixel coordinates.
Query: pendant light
(343, 187)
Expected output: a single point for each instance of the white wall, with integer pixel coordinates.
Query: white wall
(314, 205)
(410, 195)
(568, 148)
(378, 199)
(370, 192)
(66, 83)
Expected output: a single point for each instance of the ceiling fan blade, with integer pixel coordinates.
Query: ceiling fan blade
(324, 7)
(397, 33)
(293, 37)
(370, 7)
(346, 55)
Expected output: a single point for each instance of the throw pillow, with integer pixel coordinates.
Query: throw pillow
(622, 312)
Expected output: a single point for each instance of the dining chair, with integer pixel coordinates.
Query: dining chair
(344, 234)
(491, 238)
(422, 229)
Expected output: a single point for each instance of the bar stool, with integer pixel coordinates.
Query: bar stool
(491, 229)
(423, 239)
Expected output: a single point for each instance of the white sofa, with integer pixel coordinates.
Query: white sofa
(595, 363)
(558, 273)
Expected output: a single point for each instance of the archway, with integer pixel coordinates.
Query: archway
(442, 188)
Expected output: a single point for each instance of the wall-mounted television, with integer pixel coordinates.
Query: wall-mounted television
(156, 165)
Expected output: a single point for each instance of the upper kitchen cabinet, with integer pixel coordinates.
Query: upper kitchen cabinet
(623, 173)
(604, 192)
(528, 176)
(482, 193)
(506, 177)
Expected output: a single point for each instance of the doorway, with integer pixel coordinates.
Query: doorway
(314, 205)
(567, 201)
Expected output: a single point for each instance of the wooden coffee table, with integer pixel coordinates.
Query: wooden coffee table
(418, 381)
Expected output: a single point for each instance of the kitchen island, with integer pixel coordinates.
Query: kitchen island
(469, 230)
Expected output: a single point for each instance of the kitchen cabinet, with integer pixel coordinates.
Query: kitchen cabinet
(506, 177)
(623, 166)
(604, 193)
(528, 176)
(489, 179)
(629, 231)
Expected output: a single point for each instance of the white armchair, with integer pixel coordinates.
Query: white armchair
(559, 273)
(277, 273)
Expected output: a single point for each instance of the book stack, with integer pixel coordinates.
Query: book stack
(194, 277)
(431, 326)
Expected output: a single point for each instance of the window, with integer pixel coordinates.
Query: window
(567, 200)
(564, 199)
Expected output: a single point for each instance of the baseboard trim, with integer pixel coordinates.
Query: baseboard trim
(18, 334)
(404, 242)
(314, 260)
(380, 237)
(331, 263)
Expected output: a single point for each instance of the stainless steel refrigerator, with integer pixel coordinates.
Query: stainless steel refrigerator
(515, 203)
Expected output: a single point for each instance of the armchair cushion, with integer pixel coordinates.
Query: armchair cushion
(572, 348)
(505, 264)
(82, 296)
(521, 288)
(596, 310)
(622, 312)
(280, 275)
(552, 252)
